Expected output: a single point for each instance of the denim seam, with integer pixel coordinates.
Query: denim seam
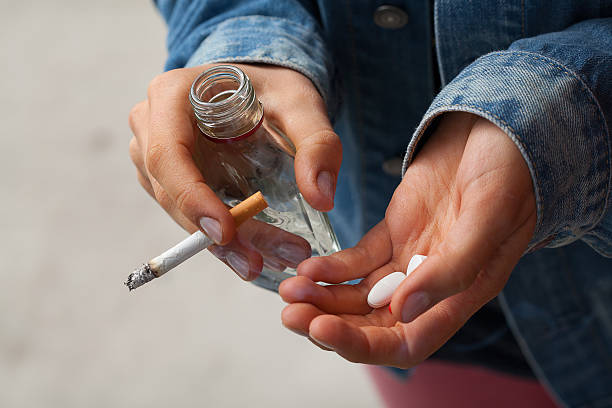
(283, 63)
(262, 16)
(600, 117)
(560, 67)
(438, 48)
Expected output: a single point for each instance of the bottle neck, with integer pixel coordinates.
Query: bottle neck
(224, 104)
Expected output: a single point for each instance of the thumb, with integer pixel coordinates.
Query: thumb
(478, 253)
(318, 150)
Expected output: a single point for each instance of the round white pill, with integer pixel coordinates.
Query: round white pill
(414, 263)
(381, 293)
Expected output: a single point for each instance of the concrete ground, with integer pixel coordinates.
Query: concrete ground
(74, 222)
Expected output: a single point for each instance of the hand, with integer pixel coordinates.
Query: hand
(467, 202)
(165, 136)
(257, 244)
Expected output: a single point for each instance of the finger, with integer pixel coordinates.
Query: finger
(273, 264)
(334, 299)
(303, 118)
(168, 205)
(138, 118)
(145, 183)
(319, 345)
(375, 339)
(367, 344)
(465, 255)
(298, 316)
(373, 251)
(169, 157)
(152, 187)
(245, 262)
(138, 121)
(136, 154)
(275, 244)
(436, 326)
(399, 345)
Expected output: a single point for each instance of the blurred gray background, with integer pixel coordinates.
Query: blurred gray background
(74, 222)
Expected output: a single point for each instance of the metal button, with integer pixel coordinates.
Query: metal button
(390, 17)
(393, 166)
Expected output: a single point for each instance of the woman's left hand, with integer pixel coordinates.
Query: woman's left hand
(466, 202)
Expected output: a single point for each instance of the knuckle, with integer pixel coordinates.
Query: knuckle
(323, 138)
(136, 114)
(404, 354)
(184, 199)
(303, 89)
(135, 153)
(145, 183)
(162, 82)
(446, 315)
(164, 199)
(155, 157)
(158, 83)
(463, 281)
(472, 270)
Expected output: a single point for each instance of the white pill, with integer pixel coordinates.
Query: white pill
(414, 263)
(381, 293)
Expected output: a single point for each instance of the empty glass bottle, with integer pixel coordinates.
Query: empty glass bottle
(238, 154)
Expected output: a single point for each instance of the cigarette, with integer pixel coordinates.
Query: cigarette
(198, 241)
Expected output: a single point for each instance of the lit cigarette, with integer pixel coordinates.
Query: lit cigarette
(190, 246)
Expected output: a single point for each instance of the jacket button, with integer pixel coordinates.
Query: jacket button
(390, 17)
(393, 166)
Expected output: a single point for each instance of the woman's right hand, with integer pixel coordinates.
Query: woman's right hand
(164, 139)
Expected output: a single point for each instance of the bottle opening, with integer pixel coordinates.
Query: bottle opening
(218, 84)
(224, 102)
(222, 96)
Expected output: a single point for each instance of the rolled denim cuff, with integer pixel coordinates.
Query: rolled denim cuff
(268, 40)
(556, 123)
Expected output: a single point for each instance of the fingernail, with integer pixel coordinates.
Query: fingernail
(414, 305)
(217, 251)
(321, 343)
(325, 182)
(275, 266)
(212, 228)
(292, 253)
(239, 263)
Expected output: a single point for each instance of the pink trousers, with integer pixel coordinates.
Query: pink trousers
(437, 385)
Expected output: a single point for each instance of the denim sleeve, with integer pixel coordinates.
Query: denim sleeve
(552, 95)
(278, 32)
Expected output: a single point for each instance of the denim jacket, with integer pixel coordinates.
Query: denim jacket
(541, 70)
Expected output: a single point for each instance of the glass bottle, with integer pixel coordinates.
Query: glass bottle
(239, 153)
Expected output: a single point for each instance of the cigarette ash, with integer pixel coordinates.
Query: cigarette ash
(140, 276)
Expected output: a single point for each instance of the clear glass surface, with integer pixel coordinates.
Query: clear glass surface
(289, 230)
